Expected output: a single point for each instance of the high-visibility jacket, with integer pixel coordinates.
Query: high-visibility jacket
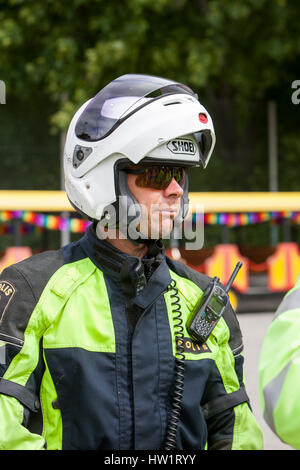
(103, 378)
(279, 370)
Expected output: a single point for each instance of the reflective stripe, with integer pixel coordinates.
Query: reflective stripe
(290, 301)
(272, 393)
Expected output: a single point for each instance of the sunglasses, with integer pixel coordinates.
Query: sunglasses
(158, 177)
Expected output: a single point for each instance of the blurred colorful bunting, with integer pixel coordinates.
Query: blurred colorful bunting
(77, 225)
(48, 221)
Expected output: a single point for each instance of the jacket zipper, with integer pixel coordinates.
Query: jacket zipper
(132, 333)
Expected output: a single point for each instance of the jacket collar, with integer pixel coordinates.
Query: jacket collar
(149, 276)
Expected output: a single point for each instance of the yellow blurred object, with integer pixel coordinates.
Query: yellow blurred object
(223, 262)
(233, 299)
(244, 201)
(14, 254)
(43, 201)
(283, 267)
(57, 201)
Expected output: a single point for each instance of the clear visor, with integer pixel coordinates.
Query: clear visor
(119, 99)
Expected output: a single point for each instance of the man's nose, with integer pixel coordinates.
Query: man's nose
(174, 189)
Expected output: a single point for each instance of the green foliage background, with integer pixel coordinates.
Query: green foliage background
(236, 54)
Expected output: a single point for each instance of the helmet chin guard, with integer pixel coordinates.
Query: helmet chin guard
(134, 119)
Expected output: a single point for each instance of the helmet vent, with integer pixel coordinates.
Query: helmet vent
(80, 155)
(172, 102)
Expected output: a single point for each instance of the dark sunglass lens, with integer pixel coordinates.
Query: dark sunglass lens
(177, 175)
(143, 179)
(159, 177)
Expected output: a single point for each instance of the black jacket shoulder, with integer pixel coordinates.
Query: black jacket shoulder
(21, 286)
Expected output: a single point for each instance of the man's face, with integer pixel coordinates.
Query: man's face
(159, 207)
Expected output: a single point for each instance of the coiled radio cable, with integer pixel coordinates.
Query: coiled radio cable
(174, 419)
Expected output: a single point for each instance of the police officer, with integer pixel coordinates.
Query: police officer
(279, 370)
(92, 330)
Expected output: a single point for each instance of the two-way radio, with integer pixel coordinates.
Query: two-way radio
(210, 308)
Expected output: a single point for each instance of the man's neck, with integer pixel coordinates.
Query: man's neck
(126, 246)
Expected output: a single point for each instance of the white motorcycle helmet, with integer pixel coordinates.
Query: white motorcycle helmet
(135, 120)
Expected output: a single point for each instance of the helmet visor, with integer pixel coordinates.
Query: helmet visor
(118, 100)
